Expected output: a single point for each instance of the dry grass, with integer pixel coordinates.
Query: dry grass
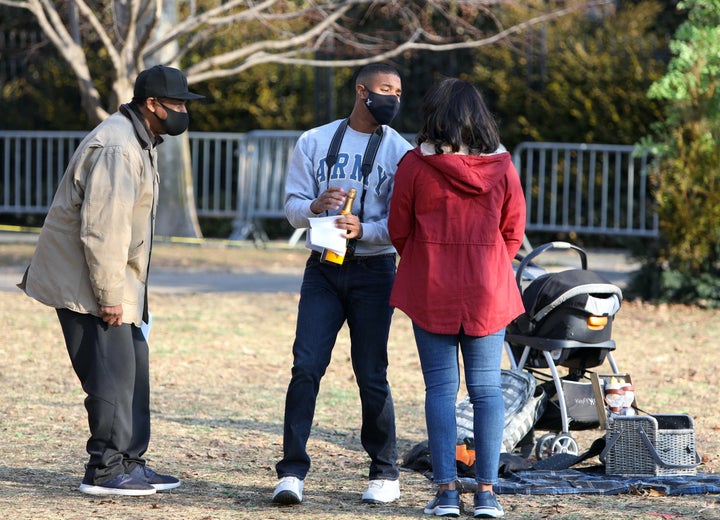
(220, 365)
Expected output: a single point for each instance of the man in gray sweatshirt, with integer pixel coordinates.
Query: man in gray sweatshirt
(326, 164)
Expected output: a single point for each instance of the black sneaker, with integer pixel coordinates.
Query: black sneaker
(446, 504)
(486, 505)
(156, 480)
(123, 484)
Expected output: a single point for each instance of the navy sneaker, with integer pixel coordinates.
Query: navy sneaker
(446, 503)
(156, 480)
(486, 505)
(123, 484)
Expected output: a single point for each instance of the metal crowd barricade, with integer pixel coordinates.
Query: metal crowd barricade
(262, 177)
(569, 187)
(31, 165)
(586, 188)
(218, 172)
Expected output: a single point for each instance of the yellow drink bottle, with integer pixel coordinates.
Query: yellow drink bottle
(332, 257)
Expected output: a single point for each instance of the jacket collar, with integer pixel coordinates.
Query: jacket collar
(146, 138)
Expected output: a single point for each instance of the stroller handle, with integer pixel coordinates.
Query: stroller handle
(527, 260)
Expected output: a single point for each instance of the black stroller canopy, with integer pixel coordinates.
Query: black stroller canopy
(578, 289)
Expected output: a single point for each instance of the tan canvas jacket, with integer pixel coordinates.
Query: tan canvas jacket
(94, 248)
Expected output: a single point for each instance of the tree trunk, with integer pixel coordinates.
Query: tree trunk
(176, 214)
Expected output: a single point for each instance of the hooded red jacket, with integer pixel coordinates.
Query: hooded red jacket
(457, 222)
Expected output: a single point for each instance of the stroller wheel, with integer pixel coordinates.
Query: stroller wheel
(564, 443)
(542, 448)
(551, 444)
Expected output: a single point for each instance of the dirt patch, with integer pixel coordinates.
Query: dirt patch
(220, 366)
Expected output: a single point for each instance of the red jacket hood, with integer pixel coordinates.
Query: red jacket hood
(469, 173)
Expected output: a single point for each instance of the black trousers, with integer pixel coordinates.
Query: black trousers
(113, 367)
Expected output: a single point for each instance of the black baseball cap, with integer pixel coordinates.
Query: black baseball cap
(161, 81)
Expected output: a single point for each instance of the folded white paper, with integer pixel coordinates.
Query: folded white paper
(145, 327)
(323, 233)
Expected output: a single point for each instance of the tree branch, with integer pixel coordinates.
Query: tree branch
(276, 31)
(206, 68)
(259, 53)
(193, 23)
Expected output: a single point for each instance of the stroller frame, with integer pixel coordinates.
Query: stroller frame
(558, 351)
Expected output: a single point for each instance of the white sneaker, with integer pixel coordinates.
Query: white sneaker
(288, 491)
(382, 492)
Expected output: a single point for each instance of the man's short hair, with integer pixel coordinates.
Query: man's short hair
(373, 69)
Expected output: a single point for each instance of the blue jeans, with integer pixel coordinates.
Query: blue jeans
(357, 292)
(441, 370)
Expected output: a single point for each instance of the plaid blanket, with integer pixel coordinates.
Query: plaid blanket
(594, 481)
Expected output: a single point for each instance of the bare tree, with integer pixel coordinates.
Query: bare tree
(132, 34)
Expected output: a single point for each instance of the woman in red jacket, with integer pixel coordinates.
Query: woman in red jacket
(457, 219)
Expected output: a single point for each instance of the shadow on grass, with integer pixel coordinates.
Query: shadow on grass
(49, 493)
(346, 439)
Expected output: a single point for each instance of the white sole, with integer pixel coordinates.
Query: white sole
(89, 489)
(442, 511)
(165, 487)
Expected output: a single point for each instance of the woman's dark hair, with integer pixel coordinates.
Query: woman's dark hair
(455, 114)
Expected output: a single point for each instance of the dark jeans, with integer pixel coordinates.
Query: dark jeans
(112, 366)
(358, 292)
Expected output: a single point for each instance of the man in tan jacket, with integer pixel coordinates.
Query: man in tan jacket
(91, 264)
